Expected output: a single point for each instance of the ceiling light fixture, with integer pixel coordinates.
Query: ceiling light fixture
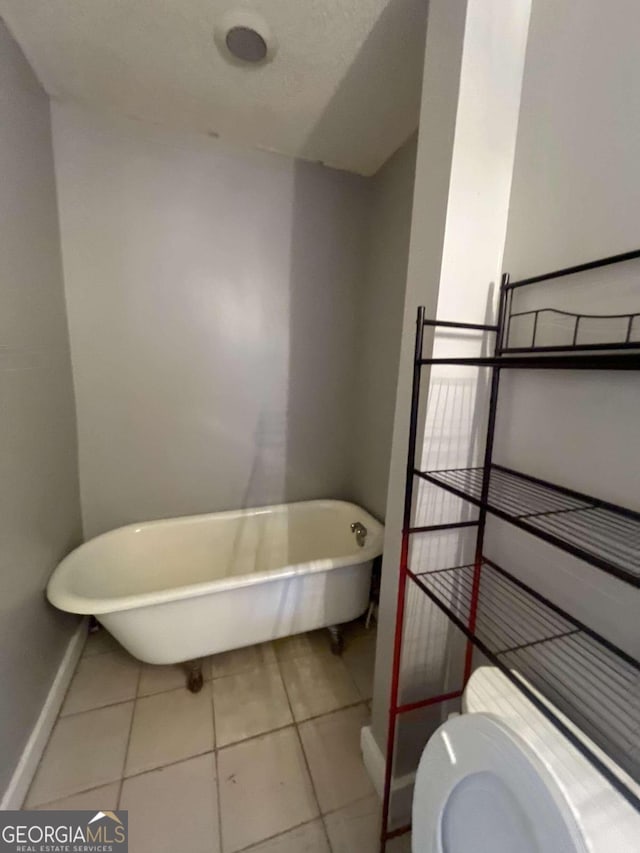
(244, 38)
(246, 44)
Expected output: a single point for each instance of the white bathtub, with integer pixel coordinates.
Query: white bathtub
(183, 588)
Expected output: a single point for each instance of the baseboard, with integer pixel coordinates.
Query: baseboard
(374, 761)
(30, 758)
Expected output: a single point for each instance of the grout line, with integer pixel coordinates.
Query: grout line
(209, 686)
(294, 722)
(218, 800)
(39, 806)
(352, 803)
(216, 768)
(135, 699)
(99, 707)
(82, 790)
(126, 752)
(222, 747)
(137, 695)
(257, 844)
(217, 748)
(355, 704)
(125, 778)
(168, 764)
(306, 760)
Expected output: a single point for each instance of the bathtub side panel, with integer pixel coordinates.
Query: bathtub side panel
(219, 621)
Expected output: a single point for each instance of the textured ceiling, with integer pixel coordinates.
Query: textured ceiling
(342, 88)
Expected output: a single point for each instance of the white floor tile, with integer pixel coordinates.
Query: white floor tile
(310, 838)
(298, 645)
(267, 798)
(332, 746)
(241, 660)
(84, 751)
(317, 683)
(99, 642)
(264, 789)
(157, 679)
(359, 657)
(174, 808)
(104, 798)
(355, 827)
(100, 680)
(249, 703)
(170, 727)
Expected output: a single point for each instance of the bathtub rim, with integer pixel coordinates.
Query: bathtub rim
(62, 598)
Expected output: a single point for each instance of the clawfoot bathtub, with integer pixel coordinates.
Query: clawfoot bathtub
(183, 588)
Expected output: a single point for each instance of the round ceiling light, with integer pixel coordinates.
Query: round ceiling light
(244, 38)
(246, 44)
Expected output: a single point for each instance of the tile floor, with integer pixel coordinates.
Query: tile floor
(266, 758)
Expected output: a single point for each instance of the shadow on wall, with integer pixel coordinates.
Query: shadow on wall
(308, 427)
(324, 365)
(307, 433)
(307, 347)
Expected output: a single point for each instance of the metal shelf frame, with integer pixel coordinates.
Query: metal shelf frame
(542, 650)
(596, 531)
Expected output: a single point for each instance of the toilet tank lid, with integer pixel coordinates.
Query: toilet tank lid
(487, 690)
(614, 824)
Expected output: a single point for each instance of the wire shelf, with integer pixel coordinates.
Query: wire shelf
(605, 535)
(595, 685)
(549, 330)
(566, 331)
(541, 359)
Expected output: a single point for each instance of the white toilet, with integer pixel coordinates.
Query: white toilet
(500, 778)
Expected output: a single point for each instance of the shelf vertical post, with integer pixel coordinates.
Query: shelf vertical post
(484, 495)
(402, 575)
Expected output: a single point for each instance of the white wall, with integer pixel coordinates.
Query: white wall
(211, 297)
(380, 310)
(575, 198)
(40, 510)
(473, 72)
(575, 194)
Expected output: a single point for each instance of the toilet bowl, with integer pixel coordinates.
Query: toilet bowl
(501, 778)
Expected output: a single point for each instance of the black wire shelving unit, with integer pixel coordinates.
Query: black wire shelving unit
(576, 678)
(598, 532)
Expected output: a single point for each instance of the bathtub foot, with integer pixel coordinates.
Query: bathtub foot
(337, 639)
(195, 679)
